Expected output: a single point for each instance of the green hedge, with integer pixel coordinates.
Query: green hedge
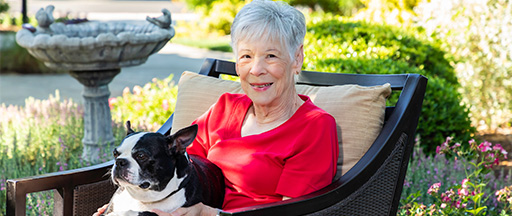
(16, 59)
(343, 46)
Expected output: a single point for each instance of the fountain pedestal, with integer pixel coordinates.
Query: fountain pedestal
(94, 53)
(97, 117)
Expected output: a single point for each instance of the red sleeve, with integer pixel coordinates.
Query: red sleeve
(313, 164)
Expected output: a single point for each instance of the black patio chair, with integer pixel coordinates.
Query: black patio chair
(372, 187)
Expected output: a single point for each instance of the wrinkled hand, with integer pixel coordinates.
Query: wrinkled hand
(100, 210)
(199, 209)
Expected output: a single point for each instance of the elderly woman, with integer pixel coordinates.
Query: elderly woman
(271, 143)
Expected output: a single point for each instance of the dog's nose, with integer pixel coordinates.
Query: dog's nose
(121, 162)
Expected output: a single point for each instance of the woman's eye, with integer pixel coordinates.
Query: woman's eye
(272, 56)
(245, 56)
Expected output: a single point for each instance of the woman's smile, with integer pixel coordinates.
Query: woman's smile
(261, 86)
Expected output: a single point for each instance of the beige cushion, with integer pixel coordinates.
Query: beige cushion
(358, 110)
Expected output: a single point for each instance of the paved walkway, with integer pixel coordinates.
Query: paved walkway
(172, 59)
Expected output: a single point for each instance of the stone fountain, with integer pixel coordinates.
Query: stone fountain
(94, 52)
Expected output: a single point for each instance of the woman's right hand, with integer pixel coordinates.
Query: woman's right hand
(100, 210)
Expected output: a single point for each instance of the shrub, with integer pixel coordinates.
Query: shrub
(391, 12)
(146, 107)
(217, 15)
(343, 7)
(4, 6)
(343, 46)
(478, 34)
(14, 58)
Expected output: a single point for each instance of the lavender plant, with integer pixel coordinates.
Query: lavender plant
(463, 182)
(43, 136)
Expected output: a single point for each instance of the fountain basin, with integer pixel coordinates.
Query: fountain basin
(95, 45)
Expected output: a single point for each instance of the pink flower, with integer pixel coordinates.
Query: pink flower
(472, 141)
(447, 196)
(434, 188)
(465, 182)
(438, 150)
(448, 139)
(165, 104)
(463, 192)
(485, 146)
(443, 205)
(111, 102)
(496, 161)
(459, 204)
(137, 90)
(500, 149)
(126, 91)
(497, 147)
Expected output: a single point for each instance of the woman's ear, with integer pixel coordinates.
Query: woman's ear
(299, 58)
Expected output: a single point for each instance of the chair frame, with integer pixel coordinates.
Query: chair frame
(372, 187)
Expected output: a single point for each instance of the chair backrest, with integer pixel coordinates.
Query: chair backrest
(398, 130)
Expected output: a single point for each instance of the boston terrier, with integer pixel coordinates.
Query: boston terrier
(154, 171)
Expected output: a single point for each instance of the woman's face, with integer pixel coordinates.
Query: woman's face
(266, 72)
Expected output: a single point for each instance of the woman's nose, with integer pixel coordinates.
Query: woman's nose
(258, 67)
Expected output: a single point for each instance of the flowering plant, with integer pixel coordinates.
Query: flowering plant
(504, 195)
(468, 196)
(146, 107)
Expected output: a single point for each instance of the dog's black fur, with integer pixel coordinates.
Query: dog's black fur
(154, 171)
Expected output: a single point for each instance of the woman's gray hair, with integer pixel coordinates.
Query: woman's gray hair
(269, 21)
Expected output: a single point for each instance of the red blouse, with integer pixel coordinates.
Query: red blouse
(294, 159)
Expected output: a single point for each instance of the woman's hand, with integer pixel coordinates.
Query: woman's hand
(199, 209)
(100, 210)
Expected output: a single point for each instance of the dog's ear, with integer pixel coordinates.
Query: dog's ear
(183, 138)
(129, 128)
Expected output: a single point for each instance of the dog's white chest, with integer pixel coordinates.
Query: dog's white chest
(124, 202)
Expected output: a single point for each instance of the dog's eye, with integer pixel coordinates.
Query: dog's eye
(115, 153)
(141, 156)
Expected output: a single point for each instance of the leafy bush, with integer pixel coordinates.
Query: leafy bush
(4, 6)
(391, 12)
(217, 15)
(343, 46)
(43, 136)
(479, 35)
(340, 7)
(147, 107)
(14, 58)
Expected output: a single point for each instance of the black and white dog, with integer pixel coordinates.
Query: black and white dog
(153, 171)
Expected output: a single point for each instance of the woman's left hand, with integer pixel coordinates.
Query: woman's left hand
(199, 209)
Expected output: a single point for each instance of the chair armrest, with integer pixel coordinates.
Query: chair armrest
(64, 182)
